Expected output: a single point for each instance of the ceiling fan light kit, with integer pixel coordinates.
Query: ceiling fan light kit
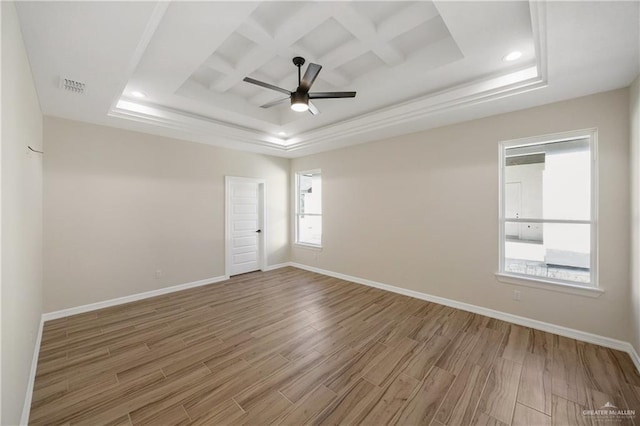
(300, 98)
(299, 101)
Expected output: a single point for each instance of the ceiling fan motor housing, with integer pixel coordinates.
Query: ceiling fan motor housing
(299, 97)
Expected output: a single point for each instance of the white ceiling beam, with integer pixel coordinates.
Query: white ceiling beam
(216, 63)
(294, 29)
(252, 60)
(253, 31)
(407, 19)
(327, 74)
(365, 31)
(343, 54)
(306, 19)
(203, 28)
(309, 16)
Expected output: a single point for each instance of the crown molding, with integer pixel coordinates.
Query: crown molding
(192, 123)
(492, 87)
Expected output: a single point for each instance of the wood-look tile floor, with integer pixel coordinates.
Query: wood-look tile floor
(294, 347)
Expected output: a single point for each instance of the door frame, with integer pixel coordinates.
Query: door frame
(262, 211)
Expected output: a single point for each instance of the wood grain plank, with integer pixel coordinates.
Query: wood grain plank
(315, 376)
(599, 368)
(174, 415)
(455, 355)
(498, 398)
(565, 412)
(462, 399)
(600, 401)
(219, 414)
(535, 383)
(516, 344)
(483, 419)
(421, 408)
(427, 355)
(250, 397)
(624, 367)
(392, 363)
(264, 411)
(312, 405)
(227, 382)
(525, 416)
(631, 396)
(347, 408)
(292, 347)
(390, 401)
(569, 381)
(353, 370)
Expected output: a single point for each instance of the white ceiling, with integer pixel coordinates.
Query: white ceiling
(415, 65)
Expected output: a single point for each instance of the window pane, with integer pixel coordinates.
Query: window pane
(549, 250)
(548, 181)
(310, 229)
(310, 193)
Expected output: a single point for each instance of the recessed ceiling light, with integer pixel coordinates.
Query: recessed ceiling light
(137, 94)
(282, 133)
(512, 56)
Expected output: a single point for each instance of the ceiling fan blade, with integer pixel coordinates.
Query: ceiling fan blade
(310, 76)
(274, 103)
(266, 85)
(313, 109)
(331, 95)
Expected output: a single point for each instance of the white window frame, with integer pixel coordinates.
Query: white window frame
(592, 289)
(297, 213)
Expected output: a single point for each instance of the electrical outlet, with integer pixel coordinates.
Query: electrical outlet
(159, 274)
(516, 295)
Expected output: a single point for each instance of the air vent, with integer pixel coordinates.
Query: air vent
(72, 85)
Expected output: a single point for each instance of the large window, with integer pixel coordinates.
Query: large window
(309, 208)
(548, 209)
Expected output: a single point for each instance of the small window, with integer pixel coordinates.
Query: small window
(309, 208)
(548, 209)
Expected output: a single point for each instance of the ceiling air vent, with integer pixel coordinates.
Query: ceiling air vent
(72, 85)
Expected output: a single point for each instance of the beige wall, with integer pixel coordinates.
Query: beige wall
(120, 205)
(635, 211)
(421, 212)
(21, 224)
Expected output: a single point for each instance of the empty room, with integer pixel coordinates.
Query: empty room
(320, 212)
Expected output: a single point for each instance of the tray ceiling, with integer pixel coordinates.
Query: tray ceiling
(408, 61)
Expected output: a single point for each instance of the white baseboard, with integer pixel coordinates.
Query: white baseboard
(26, 408)
(634, 356)
(139, 296)
(276, 266)
(515, 319)
(127, 299)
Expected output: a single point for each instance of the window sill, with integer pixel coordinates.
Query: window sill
(308, 246)
(549, 285)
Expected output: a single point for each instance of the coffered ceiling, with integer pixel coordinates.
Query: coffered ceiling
(414, 64)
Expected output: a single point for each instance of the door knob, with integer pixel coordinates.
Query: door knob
(259, 231)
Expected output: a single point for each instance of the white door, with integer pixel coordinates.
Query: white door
(513, 204)
(244, 225)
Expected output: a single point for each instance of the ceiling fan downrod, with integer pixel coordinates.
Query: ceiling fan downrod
(298, 61)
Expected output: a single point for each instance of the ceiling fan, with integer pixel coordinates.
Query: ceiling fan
(300, 98)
